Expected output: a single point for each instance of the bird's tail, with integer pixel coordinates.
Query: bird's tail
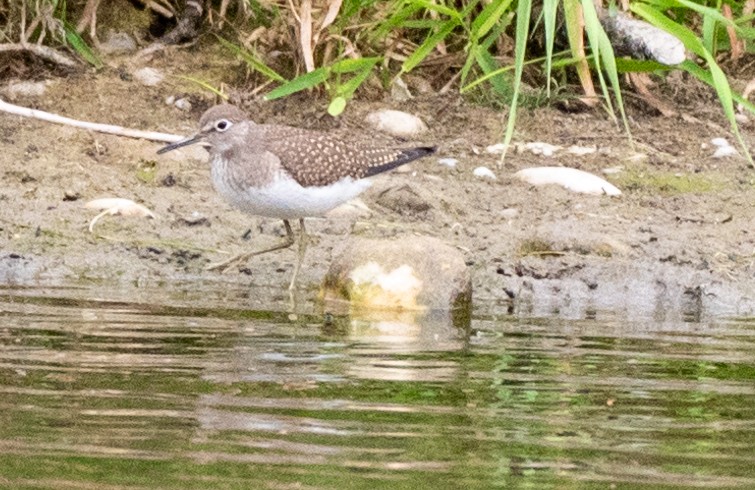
(404, 156)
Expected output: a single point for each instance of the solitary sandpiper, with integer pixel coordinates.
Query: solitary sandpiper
(286, 172)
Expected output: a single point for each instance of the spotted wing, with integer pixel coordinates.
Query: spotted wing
(319, 159)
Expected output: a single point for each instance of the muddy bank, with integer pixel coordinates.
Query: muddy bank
(679, 240)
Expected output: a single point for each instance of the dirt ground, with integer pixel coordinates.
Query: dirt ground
(679, 241)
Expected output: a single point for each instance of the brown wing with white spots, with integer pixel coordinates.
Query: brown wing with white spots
(318, 159)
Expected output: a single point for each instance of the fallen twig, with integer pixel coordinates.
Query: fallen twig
(102, 128)
(44, 52)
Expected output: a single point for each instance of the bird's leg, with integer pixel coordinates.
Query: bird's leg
(300, 256)
(221, 266)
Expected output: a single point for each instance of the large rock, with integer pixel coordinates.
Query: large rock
(396, 123)
(413, 273)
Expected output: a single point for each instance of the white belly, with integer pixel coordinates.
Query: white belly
(287, 199)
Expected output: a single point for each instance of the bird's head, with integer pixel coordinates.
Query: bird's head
(213, 125)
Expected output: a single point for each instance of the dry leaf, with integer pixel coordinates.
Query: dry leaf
(117, 206)
(571, 178)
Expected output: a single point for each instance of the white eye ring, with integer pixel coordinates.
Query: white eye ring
(223, 125)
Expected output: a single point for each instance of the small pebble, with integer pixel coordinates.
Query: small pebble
(183, 104)
(195, 219)
(724, 151)
(509, 213)
(496, 149)
(483, 173)
(24, 89)
(399, 91)
(723, 148)
(581, 150)
(542, 148)
(118, 42)
(170, 100)
(397, 123)
(148, 76)
(571, 178)
(70, 195)
(448, 162)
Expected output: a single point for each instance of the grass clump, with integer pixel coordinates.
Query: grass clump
(538, 247)
(667, 183)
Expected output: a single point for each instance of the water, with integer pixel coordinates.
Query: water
(154, 391)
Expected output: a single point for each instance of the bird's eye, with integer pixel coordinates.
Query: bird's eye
(222, 125)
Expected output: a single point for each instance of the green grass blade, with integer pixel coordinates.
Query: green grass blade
(709, 34)
(205, 86)
(441, 9)
(348, 88)
(497, 31)
(80, 46)
(428, 45)
(629, 65)
(609, 62)
(593, 29)
(705, 76)
(550, 9)
(523, 12)
(717, 77)
(490, 15)
(397, 20)
(302, 82)
(488, 76)
(658, 19)
(251, 60)
(714, 79)
(489, 65)
(705, 11)
(350, 65)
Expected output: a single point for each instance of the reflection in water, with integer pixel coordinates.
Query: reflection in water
(115, 394)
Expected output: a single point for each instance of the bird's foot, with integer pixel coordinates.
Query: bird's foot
(226, 264)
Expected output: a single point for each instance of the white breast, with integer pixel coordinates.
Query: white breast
(285, 198)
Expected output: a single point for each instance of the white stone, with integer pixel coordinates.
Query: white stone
(25, 89)
(396, 123)
(448, 162)
(399, 282)
(720, 142)
(411, 273)
(725, 151)
(399, 91)
(118, 42)
(541, 148)
(117, 206)
(581, 150)
(570, 178)
(148, 76)
(183, 105)
(509, 213)
(663, 47)
(483, 173)
(496, 149)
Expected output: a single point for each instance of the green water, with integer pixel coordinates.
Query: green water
(193, 391)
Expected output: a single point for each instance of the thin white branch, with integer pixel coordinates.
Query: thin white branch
(305, 35)
(41, 51)
(102, 128)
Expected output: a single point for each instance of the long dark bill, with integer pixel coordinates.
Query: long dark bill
(178, 144)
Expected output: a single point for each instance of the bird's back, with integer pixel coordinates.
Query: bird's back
(319, 159)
